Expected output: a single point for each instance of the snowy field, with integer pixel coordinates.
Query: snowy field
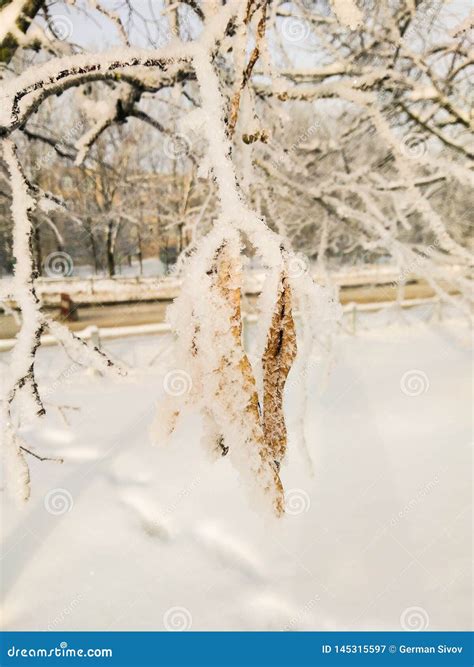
(129, 536)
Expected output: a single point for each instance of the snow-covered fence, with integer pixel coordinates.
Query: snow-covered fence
(354, 321)
(351, 322)
(107, 290)
(120, 289)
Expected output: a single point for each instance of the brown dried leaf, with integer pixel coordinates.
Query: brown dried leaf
(228, 271)
(278, 358)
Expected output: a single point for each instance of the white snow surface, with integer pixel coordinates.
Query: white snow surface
(123, 532)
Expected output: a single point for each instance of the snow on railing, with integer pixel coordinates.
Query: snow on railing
(350, 322)
(122, 289)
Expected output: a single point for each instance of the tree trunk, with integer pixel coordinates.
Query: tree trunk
(140, 253)
(110, 250)
(93, 245)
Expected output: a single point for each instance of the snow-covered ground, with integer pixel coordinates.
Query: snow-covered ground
(125, 535)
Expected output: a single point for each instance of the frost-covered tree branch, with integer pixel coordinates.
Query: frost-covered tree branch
(331, 128)
(21, 383)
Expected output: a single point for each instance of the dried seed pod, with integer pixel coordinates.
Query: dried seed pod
(229, 283)
(278, 358)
